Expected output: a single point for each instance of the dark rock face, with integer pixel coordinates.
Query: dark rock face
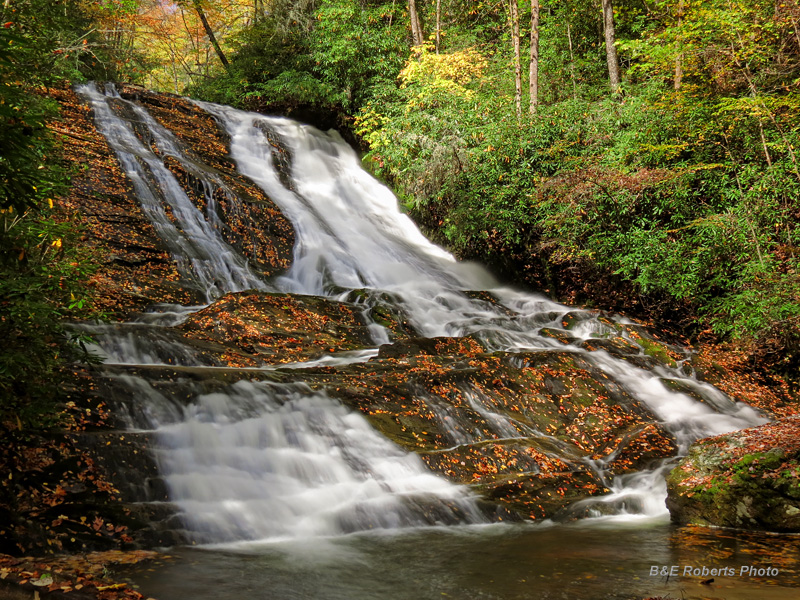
(748, 479)
(136, 269)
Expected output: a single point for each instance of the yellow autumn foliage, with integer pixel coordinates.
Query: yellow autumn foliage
(431, 81)
(426, 67)
(440, 77)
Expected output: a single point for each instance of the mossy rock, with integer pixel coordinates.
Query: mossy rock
(571, 319)
(558, 334)
(748, 479)
(619, 347)
(663, 352)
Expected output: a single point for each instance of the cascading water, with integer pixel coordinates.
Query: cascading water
(193, 238)
(267, 461)
(353, 235)
(262, 461)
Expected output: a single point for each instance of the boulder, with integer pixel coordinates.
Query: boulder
(748, 479)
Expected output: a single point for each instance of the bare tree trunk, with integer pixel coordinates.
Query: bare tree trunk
(517, 57)
(678, 81)
(572, 63)
(611, 49)
(438, 24)
(534, 65)
(210, 33)
(417, 36)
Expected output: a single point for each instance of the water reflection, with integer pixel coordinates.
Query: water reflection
(491, 562)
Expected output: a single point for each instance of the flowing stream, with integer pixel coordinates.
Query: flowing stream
(255, 464)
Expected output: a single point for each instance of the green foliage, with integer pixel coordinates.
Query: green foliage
(42, 268)
(42, 281)
(356, 46)
(23, 136)
(327, 54)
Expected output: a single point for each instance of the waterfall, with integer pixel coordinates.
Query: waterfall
(352, 224)
(253, 460)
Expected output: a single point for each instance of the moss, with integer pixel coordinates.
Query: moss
(731, 481)
(658, 351)
(584, 393)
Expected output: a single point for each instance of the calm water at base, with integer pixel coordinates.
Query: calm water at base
(583, 561)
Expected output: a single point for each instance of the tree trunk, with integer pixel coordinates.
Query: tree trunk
(572, 63)
(438, 24)
(611, 49)
(417, 36)
(517, 57)
(210, 33)
(534, 65)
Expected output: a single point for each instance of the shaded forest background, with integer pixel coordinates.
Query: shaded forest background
(638, 155)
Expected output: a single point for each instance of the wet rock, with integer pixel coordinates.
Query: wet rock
(136, 270)
(487, 419)
(619, 347)
(264, 328)
(545, 495)
(558, 334)
(281, 155)
(381, 307)
(748, 479)
(662, 352)
(248, 219)
(127, 463)
(438, 346)
(571, 319)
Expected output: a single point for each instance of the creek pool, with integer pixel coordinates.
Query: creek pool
(585, 560)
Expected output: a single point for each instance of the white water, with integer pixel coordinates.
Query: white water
(259, 461)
